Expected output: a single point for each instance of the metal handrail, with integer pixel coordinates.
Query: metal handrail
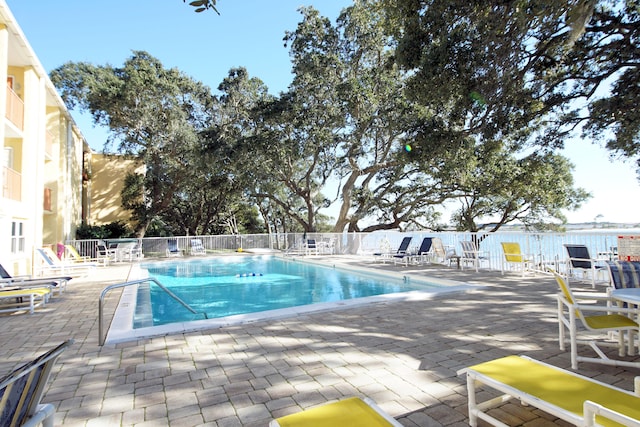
(101, 337)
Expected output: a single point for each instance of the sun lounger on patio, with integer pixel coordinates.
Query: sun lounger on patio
(352, 411)
(52, 264)
(59, 283)
(197, 248)
(23, 299)
(402, 249)
(172, 248)
(421, 255)
(574, 398)
(21, 392)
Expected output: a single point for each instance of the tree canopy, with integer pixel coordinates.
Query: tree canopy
(393, 110)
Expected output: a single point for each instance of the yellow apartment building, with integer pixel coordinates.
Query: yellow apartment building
(43, 196)
(107, 175)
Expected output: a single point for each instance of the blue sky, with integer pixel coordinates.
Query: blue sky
(248, 33)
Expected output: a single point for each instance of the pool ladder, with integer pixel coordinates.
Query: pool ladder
(101, 335)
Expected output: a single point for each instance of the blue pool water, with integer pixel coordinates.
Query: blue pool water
(228, 286)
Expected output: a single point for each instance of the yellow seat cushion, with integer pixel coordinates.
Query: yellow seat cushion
(559, 388)
(609, 321)
(25, 292)
(352, 412)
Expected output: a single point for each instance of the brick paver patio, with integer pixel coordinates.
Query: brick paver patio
(403, 354)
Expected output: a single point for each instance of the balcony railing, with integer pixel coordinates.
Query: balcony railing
(15, 108)
(11, 184)
(47, 200)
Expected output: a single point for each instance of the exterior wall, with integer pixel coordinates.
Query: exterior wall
(41, 200)
(107, 180)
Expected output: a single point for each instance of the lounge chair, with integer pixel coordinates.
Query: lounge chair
(23, 299)
(52, 264)
(23, 388)
(514, 258)
(402, 249)
(581, 266)
(58, 283)
(471, 254)
(197, 248)
(421, 255)
(573, 398)
(172, 248)
(352, 411)
(599, 320)
(73, 255)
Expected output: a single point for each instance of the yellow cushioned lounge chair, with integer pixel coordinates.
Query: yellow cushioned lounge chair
(352, 412)
(23, 299)
(576, 399)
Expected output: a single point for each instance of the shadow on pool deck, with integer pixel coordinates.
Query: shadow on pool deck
(404, 355)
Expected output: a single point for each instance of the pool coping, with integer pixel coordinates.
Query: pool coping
(121, 328)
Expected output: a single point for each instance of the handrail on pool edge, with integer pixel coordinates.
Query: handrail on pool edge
(101, 337)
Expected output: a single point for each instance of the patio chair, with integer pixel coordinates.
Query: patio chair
(197, 248)
(402, 249)
(172, 248)
(421, 255)
(310, 247)
(352, 411)
(581, 266)
(105, 255)
(128, 251)
(58, 283)
(52, 264)
(624, 274)
(471, 254)
(595, 318)
(22, 390)
(514, 258)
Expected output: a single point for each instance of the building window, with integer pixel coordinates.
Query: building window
(17, 237)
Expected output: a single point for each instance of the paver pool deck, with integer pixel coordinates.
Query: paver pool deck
(402, 354)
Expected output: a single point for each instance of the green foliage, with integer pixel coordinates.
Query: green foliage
(405, 104)
(113, 230)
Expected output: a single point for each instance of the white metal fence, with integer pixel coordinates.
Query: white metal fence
(544, 246)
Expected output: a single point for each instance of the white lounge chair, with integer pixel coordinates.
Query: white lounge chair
(51, 264)
(172, 248)
(197, 248)
(571, 397)
(23, 299)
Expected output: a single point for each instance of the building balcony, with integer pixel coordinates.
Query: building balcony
(15, 109)
(11, 184)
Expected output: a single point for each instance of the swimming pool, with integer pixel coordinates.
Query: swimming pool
(239, 289)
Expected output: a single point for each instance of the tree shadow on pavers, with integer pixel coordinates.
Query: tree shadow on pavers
(403, 354)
